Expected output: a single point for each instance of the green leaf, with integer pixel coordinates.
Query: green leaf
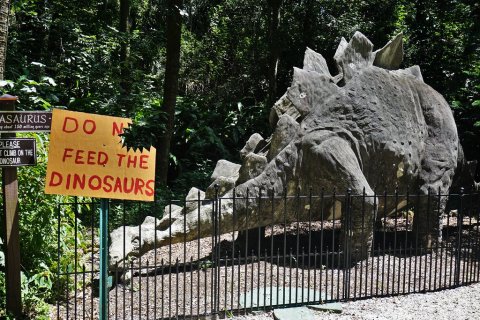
(6, 83)
(2, 255)
(38, 64)
(50, 81)
(456, 104)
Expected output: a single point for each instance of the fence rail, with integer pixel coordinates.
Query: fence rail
(303, 249)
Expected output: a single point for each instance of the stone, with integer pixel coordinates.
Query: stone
(225, 168)
(339, 53)
(307, 88)
(413, 71)
(297, 313)
(274, 296)
(131, 240)
(171, 211)
(333, 307)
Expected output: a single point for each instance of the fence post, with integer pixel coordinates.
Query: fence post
(215, 252)
(459, 239)
(103, 290)
(347, 244)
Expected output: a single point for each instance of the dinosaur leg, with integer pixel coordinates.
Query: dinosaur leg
(429, 208)
(330, 160)
(435, 179)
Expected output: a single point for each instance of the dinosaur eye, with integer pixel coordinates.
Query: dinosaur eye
(303, 95)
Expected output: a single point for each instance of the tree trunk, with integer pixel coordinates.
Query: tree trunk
(4, 11)
(125, 83)
(170, 86)
(308, 24)
(274, 49)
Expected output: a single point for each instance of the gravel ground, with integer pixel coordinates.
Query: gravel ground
(179, 280)
(460, 303)
(164, 294)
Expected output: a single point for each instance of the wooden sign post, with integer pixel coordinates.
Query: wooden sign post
(11, 225)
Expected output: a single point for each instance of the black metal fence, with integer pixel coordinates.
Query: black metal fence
(297, 254)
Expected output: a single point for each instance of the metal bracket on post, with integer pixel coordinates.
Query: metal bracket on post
(103, 290)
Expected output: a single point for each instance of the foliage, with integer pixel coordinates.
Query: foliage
(41, 223)
(443, 38)
(467, 111)
(34, 305)
(33, 93)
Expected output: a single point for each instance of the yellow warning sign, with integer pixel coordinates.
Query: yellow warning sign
(87, 158)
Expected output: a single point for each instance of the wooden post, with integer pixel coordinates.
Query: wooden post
(11, 225)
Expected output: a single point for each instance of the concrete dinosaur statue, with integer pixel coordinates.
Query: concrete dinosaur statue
(371, 127)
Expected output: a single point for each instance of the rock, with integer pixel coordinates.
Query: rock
(307, 88)
(334, 307)
(225, 168)
(271, 296)
(253, 165)
(298, 313)
(251, 145)
(339, 53)
(135, 238)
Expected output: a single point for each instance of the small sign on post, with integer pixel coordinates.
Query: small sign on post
(17, 152)
(25, 121)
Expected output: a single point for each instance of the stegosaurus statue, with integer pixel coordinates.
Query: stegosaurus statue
(371, 127)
